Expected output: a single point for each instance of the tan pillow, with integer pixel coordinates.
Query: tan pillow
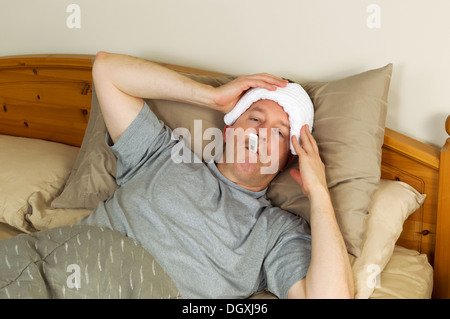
(349, 124)
(407, 275)
(30, 167)
(41, 216)
(392, 204)
(349, 127)
(92, 178)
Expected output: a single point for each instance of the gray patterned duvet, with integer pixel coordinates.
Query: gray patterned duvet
(80, 262)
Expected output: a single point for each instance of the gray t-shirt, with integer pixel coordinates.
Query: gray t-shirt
(214, 238)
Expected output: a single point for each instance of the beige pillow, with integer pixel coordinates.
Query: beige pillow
(92, 178)
(30, 167)
(41, 216)
(407, 275)
(349, 127)
(349, 124)
(392, 204)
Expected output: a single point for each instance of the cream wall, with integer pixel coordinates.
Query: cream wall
(300, 39)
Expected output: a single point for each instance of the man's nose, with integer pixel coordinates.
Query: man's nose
(262, 134)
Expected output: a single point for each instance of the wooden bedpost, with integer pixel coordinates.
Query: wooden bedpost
(442, 258)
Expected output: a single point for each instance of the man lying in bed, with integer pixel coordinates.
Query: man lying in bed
(210, 226)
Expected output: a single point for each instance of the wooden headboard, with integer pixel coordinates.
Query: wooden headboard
(55, 102)
(55, 105)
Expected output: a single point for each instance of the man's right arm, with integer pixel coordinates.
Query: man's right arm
(122, 82)
(330, 273)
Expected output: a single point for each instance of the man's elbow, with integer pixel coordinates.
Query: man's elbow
(301, 290)
(343, 290)
(100, 57)
(345, 294)
(341, 294)
(346, 291)
(100, 64)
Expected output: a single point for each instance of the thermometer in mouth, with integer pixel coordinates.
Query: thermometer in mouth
(253, 142)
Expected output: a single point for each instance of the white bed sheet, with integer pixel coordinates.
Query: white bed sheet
(408, 275)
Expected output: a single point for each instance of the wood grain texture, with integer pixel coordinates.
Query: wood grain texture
(46, 96)
(442, 260)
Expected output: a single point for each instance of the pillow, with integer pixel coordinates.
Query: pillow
(407, 275)
(349, 124)
(30, 167)
(92, 178)
(352, 109)
(392, 204)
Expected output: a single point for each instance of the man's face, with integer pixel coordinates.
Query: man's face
(270, 122)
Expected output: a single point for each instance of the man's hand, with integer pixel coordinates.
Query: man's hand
(311, 172)
(227, 95)
(330, 273)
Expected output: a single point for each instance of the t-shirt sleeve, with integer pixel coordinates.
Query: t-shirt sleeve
(142, 141)
(289, 259)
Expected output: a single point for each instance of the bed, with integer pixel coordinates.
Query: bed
(398, 242)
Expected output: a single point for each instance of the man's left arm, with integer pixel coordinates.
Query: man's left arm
(329, 274)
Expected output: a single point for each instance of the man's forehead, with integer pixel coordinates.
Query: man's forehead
(269, 106)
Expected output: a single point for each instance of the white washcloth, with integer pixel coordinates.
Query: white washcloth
(293, 98)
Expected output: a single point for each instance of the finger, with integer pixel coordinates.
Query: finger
(263, 84)
(311, 139)
(266, 81)
(309, 144)
(272, 79)
(298, 149)
(249, 83)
